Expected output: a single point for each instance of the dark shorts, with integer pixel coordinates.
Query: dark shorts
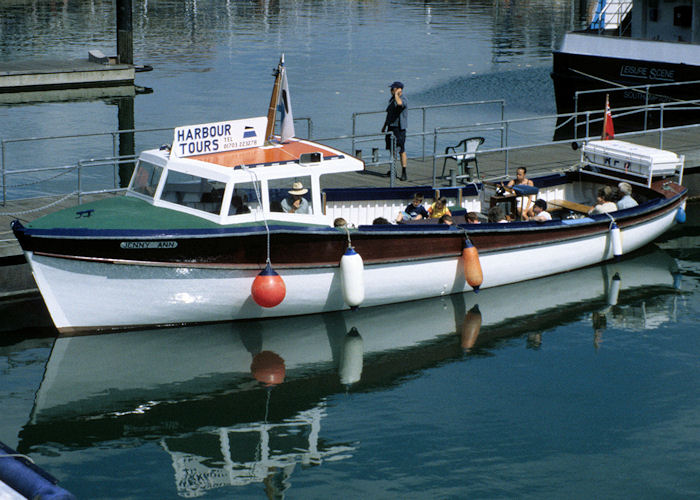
(400, 135)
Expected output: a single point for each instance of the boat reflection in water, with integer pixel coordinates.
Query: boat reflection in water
(243, 402)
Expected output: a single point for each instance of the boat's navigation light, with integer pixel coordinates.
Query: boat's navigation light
(311, 158)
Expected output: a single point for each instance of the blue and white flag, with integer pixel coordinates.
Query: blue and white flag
(285, 109)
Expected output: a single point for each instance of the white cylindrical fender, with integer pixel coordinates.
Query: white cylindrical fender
(351, 359)
(614, 291)
(616, 239)
(352, 277)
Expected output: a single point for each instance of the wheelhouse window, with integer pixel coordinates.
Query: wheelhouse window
(291, 195)
(193, 191)
(146, 178)
(244, 199)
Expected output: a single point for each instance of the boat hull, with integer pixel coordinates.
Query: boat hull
(589, 62)
(87, 294)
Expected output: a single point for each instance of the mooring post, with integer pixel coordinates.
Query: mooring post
(125, 111)
(125, 32)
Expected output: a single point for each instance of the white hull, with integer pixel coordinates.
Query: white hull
(86, 294)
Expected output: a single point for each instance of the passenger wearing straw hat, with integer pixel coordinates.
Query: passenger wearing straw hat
(295, 203)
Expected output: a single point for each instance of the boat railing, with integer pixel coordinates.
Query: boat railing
(504, 137)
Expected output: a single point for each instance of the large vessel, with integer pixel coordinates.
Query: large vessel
(202, 217)
(651, 46)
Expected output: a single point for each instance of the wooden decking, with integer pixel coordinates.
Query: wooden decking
(49, 74)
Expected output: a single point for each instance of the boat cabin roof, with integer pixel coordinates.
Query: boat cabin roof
(290, 152)
(298, 157)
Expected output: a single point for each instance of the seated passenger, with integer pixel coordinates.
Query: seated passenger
(496, 214)
(604, 202)
(340, 222)
(539, 211)
(237, 206)
(473, 218)
(438, 209)
(446, 219)
(625, 193)
(414, 211)
(380, 221)
(295, 203)
(525, 202)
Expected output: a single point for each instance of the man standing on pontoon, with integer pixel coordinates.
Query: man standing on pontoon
(396, 121)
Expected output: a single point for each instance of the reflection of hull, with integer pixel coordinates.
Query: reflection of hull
(113, 373)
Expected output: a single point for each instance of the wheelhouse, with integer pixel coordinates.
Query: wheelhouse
(242, 185)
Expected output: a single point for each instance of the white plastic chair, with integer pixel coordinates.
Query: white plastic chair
(463, 153)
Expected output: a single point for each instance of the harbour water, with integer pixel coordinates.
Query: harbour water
(214, 63)
(580, 385)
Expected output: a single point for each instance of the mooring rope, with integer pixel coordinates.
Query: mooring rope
(612, 219)
(16, 455)
(256, 186)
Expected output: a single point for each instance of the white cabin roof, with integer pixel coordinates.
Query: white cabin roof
(293, 158)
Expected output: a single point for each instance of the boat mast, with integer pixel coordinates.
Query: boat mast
(274, 99)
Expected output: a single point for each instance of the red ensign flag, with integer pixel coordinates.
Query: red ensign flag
(608, 129)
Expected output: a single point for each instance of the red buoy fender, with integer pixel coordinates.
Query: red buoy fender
(472, 266)
(268, 288)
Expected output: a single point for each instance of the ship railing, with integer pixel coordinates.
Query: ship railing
(610, 15)
(646, 90)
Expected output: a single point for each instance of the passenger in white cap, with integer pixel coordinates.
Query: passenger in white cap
(295, 203)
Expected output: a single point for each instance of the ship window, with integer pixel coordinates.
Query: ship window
(291, 195)
(146, 177)
(244, 200)
(193, 191)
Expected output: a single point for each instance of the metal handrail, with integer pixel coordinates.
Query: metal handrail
(423, 110)
(507, 129)
(642, 89)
